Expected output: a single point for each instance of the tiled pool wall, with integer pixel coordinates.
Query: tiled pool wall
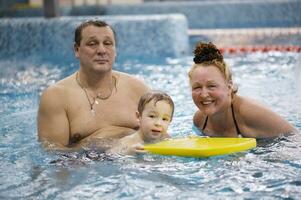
(149, 32)
(147, 38)
(200, 14)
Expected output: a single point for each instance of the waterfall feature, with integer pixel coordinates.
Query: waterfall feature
(138, 37)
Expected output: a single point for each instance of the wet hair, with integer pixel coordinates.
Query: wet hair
(206, 54)
(92, 22)
(156, 96)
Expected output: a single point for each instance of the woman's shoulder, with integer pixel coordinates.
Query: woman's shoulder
(246, 106)
(259, 119)
(199, 118)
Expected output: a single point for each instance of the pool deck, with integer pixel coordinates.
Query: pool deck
(248, 36)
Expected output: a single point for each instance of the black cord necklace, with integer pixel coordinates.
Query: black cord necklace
(98, 96)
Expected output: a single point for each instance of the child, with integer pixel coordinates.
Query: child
(155, 112)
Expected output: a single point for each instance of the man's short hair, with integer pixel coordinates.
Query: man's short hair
(90, 22)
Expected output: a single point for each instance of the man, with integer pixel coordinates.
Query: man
(94, 102)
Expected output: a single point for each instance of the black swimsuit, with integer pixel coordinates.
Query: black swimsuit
(235, 123)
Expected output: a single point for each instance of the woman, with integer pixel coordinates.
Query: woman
(222, 112)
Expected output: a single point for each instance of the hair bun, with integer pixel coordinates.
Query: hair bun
(206, 52)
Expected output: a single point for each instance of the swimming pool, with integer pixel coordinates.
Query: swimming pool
(270, 171)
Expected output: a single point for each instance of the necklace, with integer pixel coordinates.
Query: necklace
(98, 96)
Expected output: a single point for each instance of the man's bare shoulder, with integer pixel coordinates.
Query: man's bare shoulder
(131, 81)
(127, 77)
(60, 86)
(57, 92)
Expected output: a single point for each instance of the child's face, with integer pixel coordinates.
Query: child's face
(155, 120)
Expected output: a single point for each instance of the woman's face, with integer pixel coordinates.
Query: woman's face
(211, 93)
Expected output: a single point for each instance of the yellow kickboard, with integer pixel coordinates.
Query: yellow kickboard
(200, 146)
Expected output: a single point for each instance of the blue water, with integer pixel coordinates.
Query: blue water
(270, 171)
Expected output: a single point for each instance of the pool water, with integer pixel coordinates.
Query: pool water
(270, 171)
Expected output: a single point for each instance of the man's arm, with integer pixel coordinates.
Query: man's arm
(53, 124)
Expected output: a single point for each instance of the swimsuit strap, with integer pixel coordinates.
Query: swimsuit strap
(234, 119)
(205, 123)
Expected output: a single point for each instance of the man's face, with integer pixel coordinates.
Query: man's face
(96, 51)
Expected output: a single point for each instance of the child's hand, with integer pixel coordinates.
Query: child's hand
(139, 148)
(165, 136)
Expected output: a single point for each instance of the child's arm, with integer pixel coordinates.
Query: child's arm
(139, 148)
(126, 145)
